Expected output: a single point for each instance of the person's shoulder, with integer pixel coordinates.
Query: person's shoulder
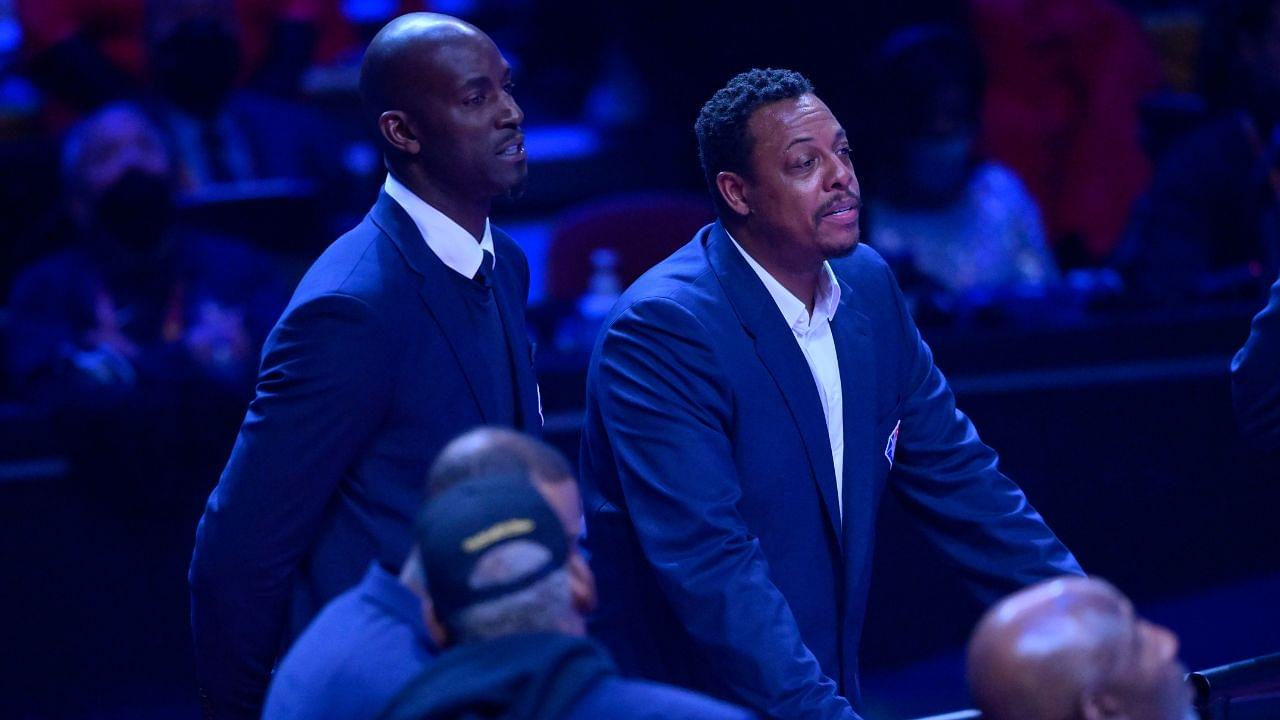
(684, 278)
(353, 649)
(640, 699)
(63, 270)
(1219, 148)
(504, 244)
(362, 263)
(59, 262)
(508, 251)
(992, 177)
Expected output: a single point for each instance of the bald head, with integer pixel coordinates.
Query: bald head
(439, 92)
(1073, 648)
(490, 451)
(404, 55)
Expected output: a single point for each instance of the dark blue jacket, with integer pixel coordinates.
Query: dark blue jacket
(542, 676)
(353, 659)
(622, 699)
(370, 371)
(722, 560)
(1255, 378)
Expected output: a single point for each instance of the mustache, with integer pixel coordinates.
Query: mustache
(842, 199)
(517, 134)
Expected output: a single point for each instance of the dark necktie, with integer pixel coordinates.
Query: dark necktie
(484, 275)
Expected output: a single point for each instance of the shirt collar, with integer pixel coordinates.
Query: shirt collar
(454, 246)
(792, 307)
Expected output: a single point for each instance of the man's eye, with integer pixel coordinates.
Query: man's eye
(475, 100)
(845, 151)
(805, 163)
(509, 87)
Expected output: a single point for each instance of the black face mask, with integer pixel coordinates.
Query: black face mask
(196, 66)
(136, 211)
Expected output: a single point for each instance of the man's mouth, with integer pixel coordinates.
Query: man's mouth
(512, 148)
(843, 209)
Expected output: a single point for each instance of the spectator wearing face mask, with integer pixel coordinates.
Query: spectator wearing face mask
(137, 304)
(947, 218)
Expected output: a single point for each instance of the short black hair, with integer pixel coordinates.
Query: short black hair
(723, 141)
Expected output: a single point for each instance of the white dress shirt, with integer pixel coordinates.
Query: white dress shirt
(455, 247)
(813, 335)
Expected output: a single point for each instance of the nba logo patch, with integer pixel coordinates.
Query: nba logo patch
(891, 446)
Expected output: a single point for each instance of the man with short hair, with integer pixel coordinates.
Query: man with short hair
(367, 643)
(1073, 649)
(746, 402)
(407, 331)
(500, 563)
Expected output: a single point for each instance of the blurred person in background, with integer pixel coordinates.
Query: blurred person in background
(219, 133)
(1074, 649)
(1210, 226)
(1064, 82)
(139, 303)
(940, 213)
(85, 53)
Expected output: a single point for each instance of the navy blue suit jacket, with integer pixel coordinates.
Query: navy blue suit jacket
(369, 372)
(722, 559)
(357, 654)
(618, 698)
(1255, 378)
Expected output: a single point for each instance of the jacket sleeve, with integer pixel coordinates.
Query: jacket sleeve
(326, 377)
(950, 482)
(1255, 378)
(666, 409)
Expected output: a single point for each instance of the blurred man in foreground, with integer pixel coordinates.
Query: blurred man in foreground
(363, 648)
(1073, 648)
(510, 591)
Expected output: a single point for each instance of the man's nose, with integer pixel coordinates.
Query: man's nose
(511, 115)
(841, 177)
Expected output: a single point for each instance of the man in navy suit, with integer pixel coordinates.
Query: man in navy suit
(746, 402)
(406, 332)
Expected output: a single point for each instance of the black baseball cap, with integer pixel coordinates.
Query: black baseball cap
(458, 526)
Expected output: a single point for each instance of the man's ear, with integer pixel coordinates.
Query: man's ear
(733, 190)
(1100, 706)
(582, 585)
(435, 628)
(399, 134)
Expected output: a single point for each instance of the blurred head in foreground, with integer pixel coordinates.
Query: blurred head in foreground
(1073, 648)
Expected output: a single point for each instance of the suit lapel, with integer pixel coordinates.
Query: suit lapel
(442, 302)
(780, 354)
(518, 343)
(852, 334)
